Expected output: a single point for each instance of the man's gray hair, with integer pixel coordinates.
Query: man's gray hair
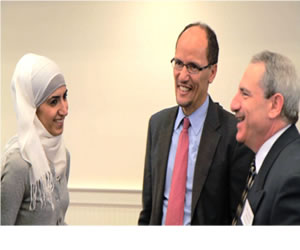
(280, 77)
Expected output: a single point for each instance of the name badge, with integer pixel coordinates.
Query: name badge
(247, 215)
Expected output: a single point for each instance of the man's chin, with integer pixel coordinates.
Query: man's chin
(184, 104)
(239, 138)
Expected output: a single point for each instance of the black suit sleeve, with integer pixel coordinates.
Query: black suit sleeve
(286, 210)
(145, 214)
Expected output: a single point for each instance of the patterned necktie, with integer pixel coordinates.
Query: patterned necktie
(175, 211)
(250, 180)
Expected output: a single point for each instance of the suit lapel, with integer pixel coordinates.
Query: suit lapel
(208, 144)
(287, 137)
(254, 198)
(257, 191)
(163, 143)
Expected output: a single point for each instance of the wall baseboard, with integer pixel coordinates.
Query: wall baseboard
(103, 206)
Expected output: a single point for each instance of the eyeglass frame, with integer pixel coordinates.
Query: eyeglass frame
(187, 65)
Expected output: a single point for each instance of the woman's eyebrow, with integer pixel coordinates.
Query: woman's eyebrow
(57, 96)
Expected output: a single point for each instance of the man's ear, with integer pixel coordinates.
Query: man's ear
(213, 72)
(276, 105)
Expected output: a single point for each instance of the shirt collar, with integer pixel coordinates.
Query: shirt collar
(266, 147)
(195, 118)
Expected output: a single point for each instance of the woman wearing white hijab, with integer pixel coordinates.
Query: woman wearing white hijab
(35, 163)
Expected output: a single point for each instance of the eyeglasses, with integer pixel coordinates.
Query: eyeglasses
(191, 67)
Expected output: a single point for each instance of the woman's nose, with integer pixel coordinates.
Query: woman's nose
(64, 108)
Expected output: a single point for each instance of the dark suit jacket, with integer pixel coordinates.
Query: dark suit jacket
(220, 172)
(275, 194)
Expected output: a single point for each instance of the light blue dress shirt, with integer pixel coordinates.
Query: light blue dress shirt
(197, 119)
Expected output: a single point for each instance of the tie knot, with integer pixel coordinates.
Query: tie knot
(186, 123)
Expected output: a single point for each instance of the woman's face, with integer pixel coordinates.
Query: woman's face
(53, 111)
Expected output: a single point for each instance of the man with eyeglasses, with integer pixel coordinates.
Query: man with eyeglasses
(195, 171)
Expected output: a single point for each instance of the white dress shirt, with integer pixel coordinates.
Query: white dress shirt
(265, 148)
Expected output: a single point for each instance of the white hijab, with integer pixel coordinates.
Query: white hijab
(34, 79)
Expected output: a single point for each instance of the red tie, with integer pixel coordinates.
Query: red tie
(175, 209)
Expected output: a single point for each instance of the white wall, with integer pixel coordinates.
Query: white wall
(103, 207)
(116, 59)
